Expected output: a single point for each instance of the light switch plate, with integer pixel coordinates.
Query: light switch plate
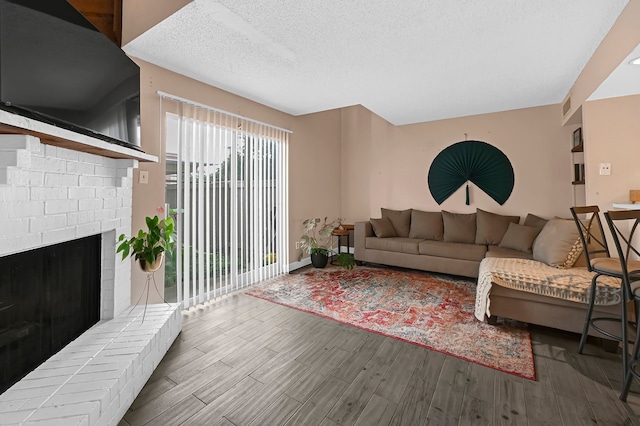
(144, 176)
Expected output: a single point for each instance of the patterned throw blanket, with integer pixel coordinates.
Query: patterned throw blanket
(572, 284)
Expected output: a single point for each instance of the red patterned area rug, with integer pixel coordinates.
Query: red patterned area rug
(435, 312)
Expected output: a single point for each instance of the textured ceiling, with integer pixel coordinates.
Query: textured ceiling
(408, 61)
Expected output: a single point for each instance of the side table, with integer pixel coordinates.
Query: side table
(344, 231)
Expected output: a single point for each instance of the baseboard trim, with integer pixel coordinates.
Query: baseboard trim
(300, 264)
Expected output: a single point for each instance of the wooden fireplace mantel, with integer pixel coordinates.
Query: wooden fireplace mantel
(53, 135)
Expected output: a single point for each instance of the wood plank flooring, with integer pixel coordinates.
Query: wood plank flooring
(245, 361)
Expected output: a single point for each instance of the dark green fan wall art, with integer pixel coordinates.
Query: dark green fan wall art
(471, 161)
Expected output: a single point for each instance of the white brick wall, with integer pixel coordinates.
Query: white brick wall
(49, 195)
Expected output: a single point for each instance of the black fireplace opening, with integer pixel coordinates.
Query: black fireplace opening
(48, 297)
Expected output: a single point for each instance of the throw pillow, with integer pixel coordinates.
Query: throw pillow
(519, 237)
(533, 220)
(491, 227)
(400, 219)
(382, 227)
(459, 227)
(426, 225)
(558, 243)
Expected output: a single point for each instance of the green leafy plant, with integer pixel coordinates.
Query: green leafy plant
(316, 237)
(346, 260)
(148, 245)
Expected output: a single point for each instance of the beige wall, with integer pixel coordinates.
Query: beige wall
(396, 161)
(356, 167)
(314, 172)
(612, 135)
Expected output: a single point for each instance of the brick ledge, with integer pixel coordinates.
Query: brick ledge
(95, 379)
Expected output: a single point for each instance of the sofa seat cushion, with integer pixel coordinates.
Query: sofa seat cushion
(497, 251)
(453, 250)
(396, 244)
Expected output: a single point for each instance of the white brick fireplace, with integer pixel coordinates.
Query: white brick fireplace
(49, 195)
(52, 194)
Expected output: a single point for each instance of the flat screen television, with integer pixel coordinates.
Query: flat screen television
(57, 68)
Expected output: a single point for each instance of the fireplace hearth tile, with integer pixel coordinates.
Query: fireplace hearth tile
(98, 385)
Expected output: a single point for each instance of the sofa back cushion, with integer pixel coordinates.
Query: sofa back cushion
(459, 227)
(558, 244)
(520, 237)
(382, 228)
(533, 220)
(400, 220)
(491, 227)
(426, 225)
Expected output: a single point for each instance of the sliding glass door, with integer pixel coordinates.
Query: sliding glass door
(227, 190)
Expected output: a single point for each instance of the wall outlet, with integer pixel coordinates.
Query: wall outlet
(297, 245)
(605, 169)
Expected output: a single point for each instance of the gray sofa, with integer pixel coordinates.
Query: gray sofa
(442, 242)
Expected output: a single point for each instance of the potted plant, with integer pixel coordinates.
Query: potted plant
(316, 240)
(346, 260)
(148, 247)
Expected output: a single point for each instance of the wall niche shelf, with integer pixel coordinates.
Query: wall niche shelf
(578, 169)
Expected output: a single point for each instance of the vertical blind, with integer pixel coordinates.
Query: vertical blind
(227, 190)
